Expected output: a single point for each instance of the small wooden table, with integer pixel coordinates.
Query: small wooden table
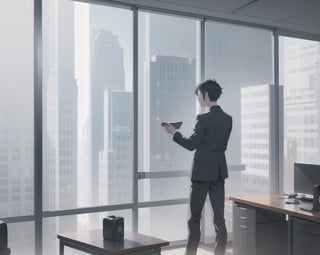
(92, 242)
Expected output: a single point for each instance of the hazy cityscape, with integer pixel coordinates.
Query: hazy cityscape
(88, 120)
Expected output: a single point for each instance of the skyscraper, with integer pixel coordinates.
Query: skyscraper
(255, 137)
(302, 103)
(16, 112)
(169, 97)
(60, 119)
(115, 160)
(301, 79)
(107, 74)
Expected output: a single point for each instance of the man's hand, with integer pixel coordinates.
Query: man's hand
(169, 128)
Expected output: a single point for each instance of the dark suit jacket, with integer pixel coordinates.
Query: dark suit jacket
(209, 139)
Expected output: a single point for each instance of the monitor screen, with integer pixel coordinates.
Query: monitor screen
(305, 177)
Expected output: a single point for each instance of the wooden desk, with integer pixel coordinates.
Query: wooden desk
(92, 242)
(265, 224)
(276, 203)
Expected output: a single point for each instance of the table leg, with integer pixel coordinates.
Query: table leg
(61, 248)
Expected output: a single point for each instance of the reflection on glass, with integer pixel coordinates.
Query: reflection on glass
(300, 75)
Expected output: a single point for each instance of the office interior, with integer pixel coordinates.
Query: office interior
(85, 85)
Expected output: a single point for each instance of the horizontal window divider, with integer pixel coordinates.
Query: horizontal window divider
(237, 167)
(163, 203)
(18, 219)
(180, 173)
(163, 174)
(84, 210)
(96, 209)
(107, 208)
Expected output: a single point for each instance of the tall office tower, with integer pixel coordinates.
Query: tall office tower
(16, 113)
(256, 135)
(60, 119)
(301, 102)
(17, 122)
(115, 160)
(169, 97)
(107, 74)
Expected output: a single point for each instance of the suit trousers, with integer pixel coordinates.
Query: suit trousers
(198, 196)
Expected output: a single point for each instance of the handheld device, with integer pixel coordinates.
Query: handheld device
(176, 125)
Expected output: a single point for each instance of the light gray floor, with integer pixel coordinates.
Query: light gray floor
(202, 250)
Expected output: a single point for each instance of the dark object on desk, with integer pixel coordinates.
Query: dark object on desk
(306, 198)
(113, 228)
(292, 201)
(291, 194)
(315, 203)
(176, 125)
(4, 250)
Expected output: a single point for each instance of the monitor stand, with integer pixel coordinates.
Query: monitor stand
(315, 206)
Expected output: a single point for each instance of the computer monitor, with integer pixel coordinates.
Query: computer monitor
(305, 177)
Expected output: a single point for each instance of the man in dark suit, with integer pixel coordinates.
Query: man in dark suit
(209, 139)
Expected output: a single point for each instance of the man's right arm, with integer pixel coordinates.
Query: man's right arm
(192, 142)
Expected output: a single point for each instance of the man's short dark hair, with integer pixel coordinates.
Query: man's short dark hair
(212, 87)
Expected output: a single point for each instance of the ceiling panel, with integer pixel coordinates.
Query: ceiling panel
(299, 15)
(214, 5)
(273, 9)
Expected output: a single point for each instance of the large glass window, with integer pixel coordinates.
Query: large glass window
(88, 115)
(300, 76)
(167, 78)
(16, 121)
(16, 108)
(166, 222)
(241, 59)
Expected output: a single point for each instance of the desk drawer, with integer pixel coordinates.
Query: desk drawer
(244, 211)
(265, 216)
(243, 229)
(305, 237)
(244, 216)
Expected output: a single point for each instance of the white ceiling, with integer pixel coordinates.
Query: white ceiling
(299, 15)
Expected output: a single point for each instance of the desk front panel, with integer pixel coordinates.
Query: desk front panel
(276, 203)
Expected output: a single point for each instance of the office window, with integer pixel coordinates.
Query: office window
(88, 113)
(300, 76)
(167, 78)
(165, 222)
(21, 238)
(241, 59)
(16, 121)
(16, 107)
